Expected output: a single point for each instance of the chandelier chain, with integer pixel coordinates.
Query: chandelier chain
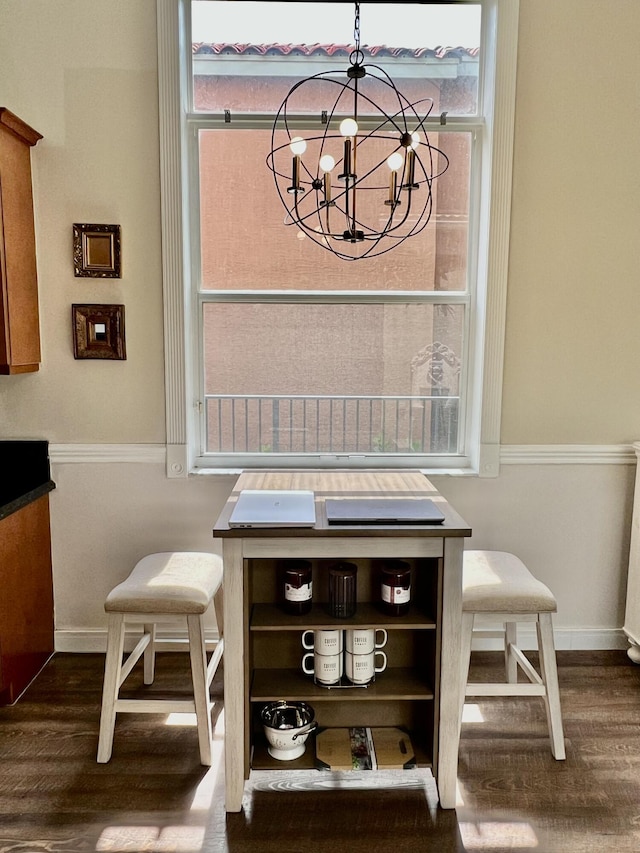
(356, 27)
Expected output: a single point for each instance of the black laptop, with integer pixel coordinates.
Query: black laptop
(383, 511)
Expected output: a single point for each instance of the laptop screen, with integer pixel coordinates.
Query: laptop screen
(274, 508)
(383, 511)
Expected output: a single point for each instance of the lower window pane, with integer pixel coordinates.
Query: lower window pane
(332, 378)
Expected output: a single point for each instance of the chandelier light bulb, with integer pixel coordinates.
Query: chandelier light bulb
(327, 163)
(298, 145)
(395, 161)
(415, 140)
(348, 127)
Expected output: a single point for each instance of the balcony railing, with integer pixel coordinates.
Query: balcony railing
(341, 424)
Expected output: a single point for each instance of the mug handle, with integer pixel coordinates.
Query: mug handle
(304, 645)
(384, 665)
(384, 638)
(304, 661)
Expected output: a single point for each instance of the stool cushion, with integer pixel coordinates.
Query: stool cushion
(498, 582)
(171, 582)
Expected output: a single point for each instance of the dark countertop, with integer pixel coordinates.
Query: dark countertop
(25, 474)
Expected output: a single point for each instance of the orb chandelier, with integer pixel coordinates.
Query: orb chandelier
(358, 190)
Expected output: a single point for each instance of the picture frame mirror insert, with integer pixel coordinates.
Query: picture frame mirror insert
(98, 331)
(96, 251)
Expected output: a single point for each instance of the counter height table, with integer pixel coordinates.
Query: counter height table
(420, 691)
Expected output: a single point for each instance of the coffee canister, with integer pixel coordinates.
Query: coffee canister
(298, 587)
(343, 579)
(395, 587)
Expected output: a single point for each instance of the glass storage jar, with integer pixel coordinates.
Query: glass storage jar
(343, 579)
(395, 587)
(298, 587)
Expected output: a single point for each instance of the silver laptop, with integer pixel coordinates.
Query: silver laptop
(274, 508)
(383, 511)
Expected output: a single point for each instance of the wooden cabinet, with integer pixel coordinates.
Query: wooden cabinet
(403, 695)
(19, 321)
(26, 602)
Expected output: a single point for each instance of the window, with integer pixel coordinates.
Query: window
(279, 353)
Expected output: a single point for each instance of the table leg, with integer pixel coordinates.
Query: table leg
(234, 680)
(451, 697)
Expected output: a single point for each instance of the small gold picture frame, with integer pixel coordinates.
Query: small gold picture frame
(96, 251)
(98, 331)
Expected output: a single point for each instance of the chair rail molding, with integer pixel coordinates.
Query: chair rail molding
(510, 454)
(89, 454)
(567, 454)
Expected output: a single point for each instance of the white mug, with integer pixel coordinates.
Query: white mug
(324, 642)
(361, 669)
(362, 641)
(326, 669)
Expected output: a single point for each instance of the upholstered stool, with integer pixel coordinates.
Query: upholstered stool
(161, 587)
(499, 587)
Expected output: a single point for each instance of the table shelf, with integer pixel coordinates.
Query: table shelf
(397, 683)
(261, 760)
(271, 617)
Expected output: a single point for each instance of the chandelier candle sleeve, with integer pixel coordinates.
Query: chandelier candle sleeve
(298, 146)
(395, 163)
(327, 164)
(348, 129)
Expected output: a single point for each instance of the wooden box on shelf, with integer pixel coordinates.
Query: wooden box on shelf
(19, 319)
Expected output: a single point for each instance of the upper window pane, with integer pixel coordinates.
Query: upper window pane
(245, 244)
(246, 56)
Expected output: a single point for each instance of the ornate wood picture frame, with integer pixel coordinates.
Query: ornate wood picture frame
(96, 251)
(98, 331)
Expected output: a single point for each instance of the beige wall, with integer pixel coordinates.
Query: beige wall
(83, 73)
(573, 344)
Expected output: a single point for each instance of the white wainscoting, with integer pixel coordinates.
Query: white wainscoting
(565, 510)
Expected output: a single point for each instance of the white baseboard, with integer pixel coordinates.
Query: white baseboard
(96, 641)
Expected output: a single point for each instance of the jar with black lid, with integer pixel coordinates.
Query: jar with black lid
(298, 587)
(395, 587)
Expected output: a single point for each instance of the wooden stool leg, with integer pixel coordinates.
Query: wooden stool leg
(111, 687)
(549, 671)
(465, 657)
(218, 606)
(510, 662)
(150, 654)
(198, 655)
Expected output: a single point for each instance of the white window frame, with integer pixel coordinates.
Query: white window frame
(181, 311)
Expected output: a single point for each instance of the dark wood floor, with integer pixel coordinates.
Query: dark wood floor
(155, 797)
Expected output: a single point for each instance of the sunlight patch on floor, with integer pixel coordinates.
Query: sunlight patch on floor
(471, 713)
(171, 839)
(151, 839)
(203, 797)
(489, 835)
(179, 719)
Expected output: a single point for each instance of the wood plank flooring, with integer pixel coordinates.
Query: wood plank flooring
(155, 797)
